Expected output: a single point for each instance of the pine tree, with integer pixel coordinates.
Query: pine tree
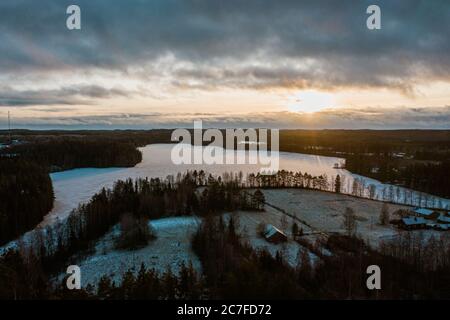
(259, 199)
(337, 184)
(294, 229)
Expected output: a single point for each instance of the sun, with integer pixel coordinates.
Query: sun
(311, 101)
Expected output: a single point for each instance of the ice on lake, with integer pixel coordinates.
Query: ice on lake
(76, 186)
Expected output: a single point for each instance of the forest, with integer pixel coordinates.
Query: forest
(26, 192)
(232, 269)
(67, 154)
(142, 199)
(417, 159)
(26, 196)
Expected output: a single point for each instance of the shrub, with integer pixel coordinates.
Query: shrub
(134, 233)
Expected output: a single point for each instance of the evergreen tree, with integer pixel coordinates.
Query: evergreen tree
(259, 199)
(337, 184)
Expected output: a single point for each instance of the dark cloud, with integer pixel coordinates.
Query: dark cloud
(73, 95)
(294, 43)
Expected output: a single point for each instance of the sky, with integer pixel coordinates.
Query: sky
(254, 63)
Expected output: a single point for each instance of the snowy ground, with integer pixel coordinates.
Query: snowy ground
(323, 211)
(248, 222)
(170, 249)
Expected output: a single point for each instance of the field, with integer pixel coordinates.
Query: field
(170, 249)
(317, 213)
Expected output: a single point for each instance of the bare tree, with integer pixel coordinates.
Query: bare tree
(384, 215)
(284, 223)
(372, 191)
(349, 223)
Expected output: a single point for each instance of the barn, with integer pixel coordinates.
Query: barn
(274, 235)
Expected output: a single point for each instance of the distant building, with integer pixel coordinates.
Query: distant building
(274, 235)
(375, 170)
(410, 223)
(425, 213)
(399, 155)
(443, 219)
(340, 165)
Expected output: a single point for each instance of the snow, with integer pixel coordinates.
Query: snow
(414, 220)
(170, 249)
(444, 219)
(323, 212)
(423, 211)
(271, 230)
(247, 224)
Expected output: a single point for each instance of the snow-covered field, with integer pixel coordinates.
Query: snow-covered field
(323, 211)
(170, 249)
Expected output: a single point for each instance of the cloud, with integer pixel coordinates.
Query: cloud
(363, 118)
(73, 95)
(247, 44)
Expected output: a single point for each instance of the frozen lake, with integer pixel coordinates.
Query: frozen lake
(72, 187)
(75, 186)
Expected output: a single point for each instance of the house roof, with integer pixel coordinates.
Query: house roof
(423, 211)
(271, 231)
(410, 221)
(443, 218)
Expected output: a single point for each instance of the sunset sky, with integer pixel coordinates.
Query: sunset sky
(252, 63)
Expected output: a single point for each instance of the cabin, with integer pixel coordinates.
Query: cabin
(274, 235)
(412, 223)
(425, 213)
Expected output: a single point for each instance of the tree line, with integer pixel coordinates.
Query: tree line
(427, 176)
(26, 196)
(63, 154)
